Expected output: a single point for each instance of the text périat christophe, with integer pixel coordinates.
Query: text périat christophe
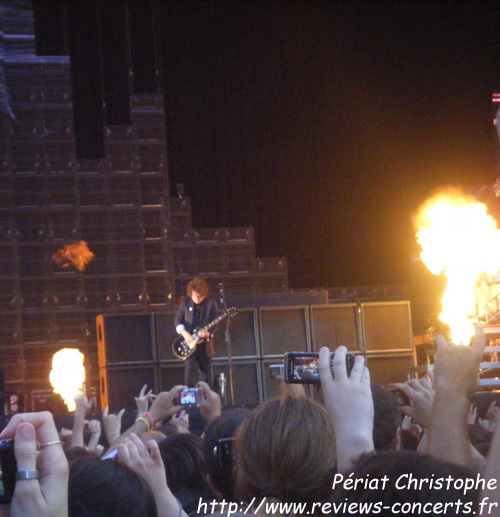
(410, 482)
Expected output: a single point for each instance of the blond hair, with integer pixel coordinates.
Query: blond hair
(286, 450)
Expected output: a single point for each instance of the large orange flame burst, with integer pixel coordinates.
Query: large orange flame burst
(76, 254)
(460, 240)
(68, 375)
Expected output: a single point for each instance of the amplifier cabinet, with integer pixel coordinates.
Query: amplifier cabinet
(335, 325)
(386, 369)
(247, 381)
(119, 384)
(386, 326)
(125, 338)
(244, 334)
(284, 329)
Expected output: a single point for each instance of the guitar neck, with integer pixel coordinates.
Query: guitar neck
(215, 321)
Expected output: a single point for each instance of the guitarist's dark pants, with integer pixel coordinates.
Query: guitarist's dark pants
(197, 360)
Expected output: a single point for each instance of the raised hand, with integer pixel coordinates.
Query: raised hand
(181, 421)
(48, 495)
(208, 402)
(421, 395)
(112, 424)
(455, 376)
(146, 461)
(143, 400)
(349, 402)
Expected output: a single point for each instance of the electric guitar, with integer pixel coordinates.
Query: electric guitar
(182, 349)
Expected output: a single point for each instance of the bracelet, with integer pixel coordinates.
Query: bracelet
(112, 434)
(96, 432)
(142, 419)
(148, 415)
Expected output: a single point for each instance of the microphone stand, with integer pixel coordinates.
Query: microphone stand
(227, 337)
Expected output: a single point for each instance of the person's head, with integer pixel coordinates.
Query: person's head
(387, 419)
(411, 484)
(167, 428)
(197, 289)
(220, 476)
(106, 488)
(286, 450)
(185, 468)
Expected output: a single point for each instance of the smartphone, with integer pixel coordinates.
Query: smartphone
(224, 451)
(275, 370)
(8, 470)
(302, 367)
(189, 397)
(401, 396)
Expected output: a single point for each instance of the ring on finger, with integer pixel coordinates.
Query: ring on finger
(27, 474)
(49, 443)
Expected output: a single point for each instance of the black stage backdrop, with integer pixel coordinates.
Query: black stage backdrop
(322, 124)
(326, 124)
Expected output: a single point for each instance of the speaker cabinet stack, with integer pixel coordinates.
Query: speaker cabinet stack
(387, 341)
(127, 358)
(282, 329)
(135, 349)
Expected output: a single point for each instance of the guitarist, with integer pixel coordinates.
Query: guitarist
(195, 311)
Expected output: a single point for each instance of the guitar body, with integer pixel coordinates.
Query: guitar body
(182, 349)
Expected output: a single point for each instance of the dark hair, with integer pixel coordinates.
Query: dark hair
(223, 426)
(107, 488)
(73, 453)
(185, 468)
(409, 440)
(168, 429)
(412, 465)
(387, 418)
(199, 285)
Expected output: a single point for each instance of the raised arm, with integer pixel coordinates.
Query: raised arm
(95, 434)
(491, 492)
(455, 376)
(164, 406)
(82, 406)
(146, 461)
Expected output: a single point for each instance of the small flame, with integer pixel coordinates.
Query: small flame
(461, 240)
(76, 254)
(68, 375)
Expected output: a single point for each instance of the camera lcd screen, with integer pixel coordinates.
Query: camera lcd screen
(276, 370)
(7, 470)
(302, 367)
(189, 396)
